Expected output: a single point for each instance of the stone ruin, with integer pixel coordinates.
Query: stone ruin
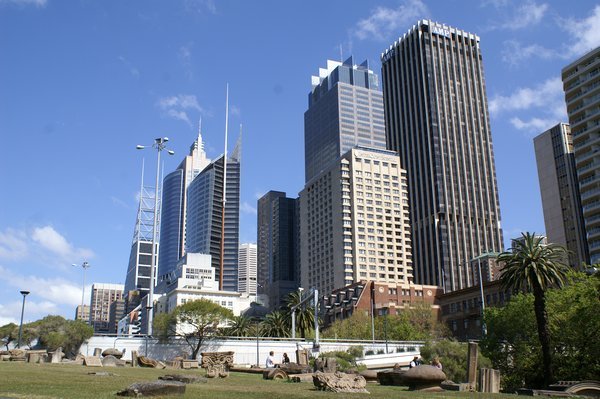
(340, 382)
(217, 364)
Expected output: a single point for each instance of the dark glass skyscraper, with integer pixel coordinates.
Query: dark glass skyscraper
(205, 215)
(278, 266)
(345, 109)
(437, 119)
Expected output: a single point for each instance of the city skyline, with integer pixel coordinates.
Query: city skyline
(84, 83)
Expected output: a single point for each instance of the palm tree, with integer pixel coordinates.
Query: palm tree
(305, 317)
(275, 325)
(239, 326)
(534, 266)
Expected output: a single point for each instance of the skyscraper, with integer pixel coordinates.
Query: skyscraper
(345, 109)
(581, 82)
(247, 269)
(354, 223)
(204, 219)
(278, 265)
(437, 119)
(560, 192)
(103, 295)
(140, 256)
(174, 206)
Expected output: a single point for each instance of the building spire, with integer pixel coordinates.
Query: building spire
(236, 154)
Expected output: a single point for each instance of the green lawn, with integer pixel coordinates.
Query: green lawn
(23, 380)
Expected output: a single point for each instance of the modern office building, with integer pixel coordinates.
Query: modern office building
(247, 269)
(140, 255)
(581, 82)
(115, 313)
(278, 247)
(559, 188)
(205, 226)
(345, 109)
(103, 295)
(354, 223)
(174, 206)
(437, 119)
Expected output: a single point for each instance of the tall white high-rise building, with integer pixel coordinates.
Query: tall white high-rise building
(581, 81)
(354, 223)
(247, 269)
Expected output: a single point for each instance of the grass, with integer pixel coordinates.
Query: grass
(44, 381)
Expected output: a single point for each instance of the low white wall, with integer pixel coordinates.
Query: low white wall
(245, 349)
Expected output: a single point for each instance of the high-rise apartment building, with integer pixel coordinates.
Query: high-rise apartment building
(437, 119)
(354, 223)
(561, 201)
(278, 264)
(247, 269)
(581, 81)
(205, 225)
(174, 206)
(82, 313)
(345, 109)
(102, 297)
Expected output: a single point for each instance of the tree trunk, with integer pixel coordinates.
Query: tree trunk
(543, 333)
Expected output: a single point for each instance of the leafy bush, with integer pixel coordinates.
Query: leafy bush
(453, 356)
(346, 360)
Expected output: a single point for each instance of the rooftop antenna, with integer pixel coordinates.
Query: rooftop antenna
(221, 261)
(341, 54)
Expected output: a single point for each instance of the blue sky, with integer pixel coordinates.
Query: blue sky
(83, 82)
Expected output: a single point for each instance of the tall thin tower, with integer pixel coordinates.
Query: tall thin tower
(437, 119)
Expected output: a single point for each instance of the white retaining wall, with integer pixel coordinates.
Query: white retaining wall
(245, 349)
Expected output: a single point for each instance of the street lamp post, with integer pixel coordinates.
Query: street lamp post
(24, 293)
(385, 314)
(487, 254)
(160, 144)
(84, 266)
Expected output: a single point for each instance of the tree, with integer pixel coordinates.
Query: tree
(453, 356)
(8, 333)
(534, 266)
(239, 326)
(196, 321)
(276, 325)
(514, 348)
(305, 318)
(55, 332)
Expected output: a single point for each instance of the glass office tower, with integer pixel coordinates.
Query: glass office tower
(437, 119)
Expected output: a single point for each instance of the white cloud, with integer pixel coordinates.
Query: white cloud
(514, 53)
(544, 104)
(247, 208)
(526, 98)
(13, 244)
(40, 243)
(119, 202)
(200, 6)
(385, 21)
(234, 110)
(54, 242)
(534, 124)
(37, 3)
(526, 15)
(185, 57)
(56, 290)
(132, 69)
(177, 106)
(585, 33)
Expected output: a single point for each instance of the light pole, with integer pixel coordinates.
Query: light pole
(24, 293)
(385, 314)
(84, 266)
(160, 144)
(487, 254)
(293, 309)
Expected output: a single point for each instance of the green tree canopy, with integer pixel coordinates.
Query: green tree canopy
(8, 333)
(305, 317)
(453, 357)
(196, 321)
(534, 266)
(512, 342)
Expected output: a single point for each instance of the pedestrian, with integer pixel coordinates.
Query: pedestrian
(270, 363)
(436, 363)
(414, 363)
(285, 359)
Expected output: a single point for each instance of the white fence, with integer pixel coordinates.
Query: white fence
(247, 351)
